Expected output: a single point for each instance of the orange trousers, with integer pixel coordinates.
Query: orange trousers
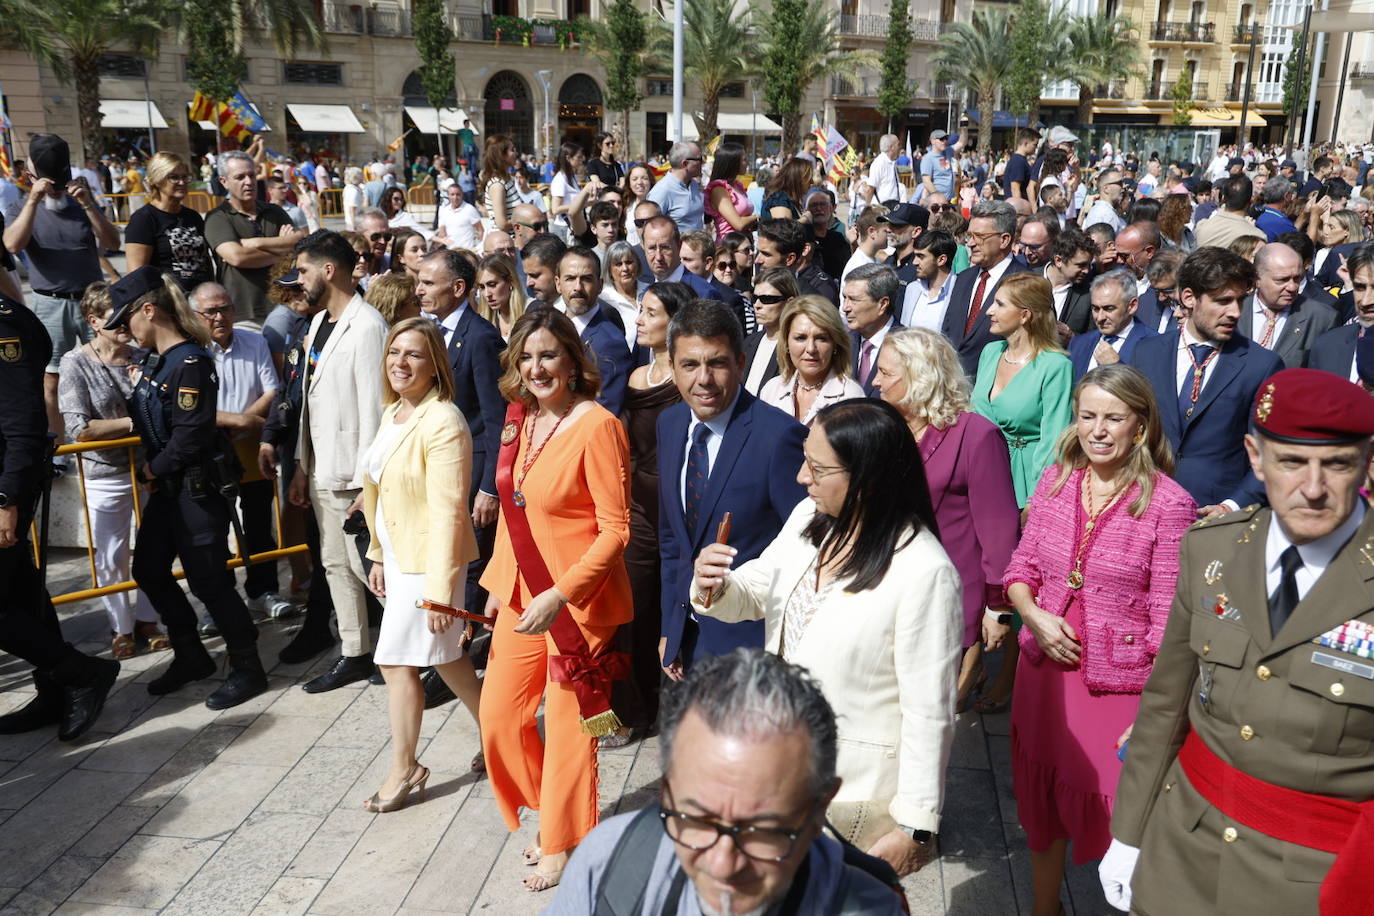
(556, 775)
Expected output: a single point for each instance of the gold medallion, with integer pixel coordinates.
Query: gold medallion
(509, 432)
(1075, 580)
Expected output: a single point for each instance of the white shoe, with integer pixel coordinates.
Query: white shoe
(274, 605)
(207, 626)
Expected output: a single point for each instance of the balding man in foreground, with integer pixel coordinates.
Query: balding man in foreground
(1275, 315)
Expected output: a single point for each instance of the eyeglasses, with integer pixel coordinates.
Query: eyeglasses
(537, 227)
(767, 299)
(179, 177)
(380, 236)
(1166, 295)
(762, 844)
(215, 313)
(693, 159)
(1035, 246)
(981, 237)
(822, 471)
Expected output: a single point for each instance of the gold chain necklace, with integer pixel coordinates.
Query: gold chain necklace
(1075, 577)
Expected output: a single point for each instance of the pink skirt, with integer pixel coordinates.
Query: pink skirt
(1063, 745)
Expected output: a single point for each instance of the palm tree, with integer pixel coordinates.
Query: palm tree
(975, 56)
(70, 36)
(715, 45)
(802, 45)
(1097, 50)
(294, 25)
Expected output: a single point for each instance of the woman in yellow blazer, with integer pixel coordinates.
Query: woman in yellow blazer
(415, 498)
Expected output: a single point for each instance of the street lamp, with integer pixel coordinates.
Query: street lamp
(546, 80)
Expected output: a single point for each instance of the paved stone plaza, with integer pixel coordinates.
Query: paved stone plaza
(168, 807)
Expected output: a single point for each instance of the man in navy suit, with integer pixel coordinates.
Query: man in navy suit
(1334, 351)
(1159, 306)
(1205, 376)
(698, 255)
(579, 285)
(663, 248)
(869, 294)
(991, 229)
(720, 450)
(1114, 304)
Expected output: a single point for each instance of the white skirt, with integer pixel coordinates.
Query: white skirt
(405, 638)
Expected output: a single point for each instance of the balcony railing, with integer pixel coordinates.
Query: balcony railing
(1157, 90)
(1114, 90)
(1235, 92)
(1184, 31)
(876, 26)
(1243, 34)
(1362, 71)
(357, 19)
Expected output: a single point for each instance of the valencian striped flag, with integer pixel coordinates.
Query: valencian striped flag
(235, 118)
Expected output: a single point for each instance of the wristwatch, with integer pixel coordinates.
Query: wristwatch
(5, 501)
(920, 836)
(1003, 617)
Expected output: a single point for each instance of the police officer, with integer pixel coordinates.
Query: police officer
(71, 687)
(1248, 785)
(173, 408)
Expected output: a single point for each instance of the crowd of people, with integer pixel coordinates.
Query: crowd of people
(617, 446)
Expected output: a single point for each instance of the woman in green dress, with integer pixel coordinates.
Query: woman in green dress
(1025, 380)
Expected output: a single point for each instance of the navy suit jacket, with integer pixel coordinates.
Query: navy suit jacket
(607, 342)
(1149, 311)
(754, 478)
(855, 342)
(970, 346)
(474, 353)
(732, 298)
(1211, 461)
(1334, 351)
(703, 289)
(1082, 346)
(1328, 277)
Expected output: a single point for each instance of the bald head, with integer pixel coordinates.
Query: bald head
(527, 221)
(1020, 205)
(1278, 275)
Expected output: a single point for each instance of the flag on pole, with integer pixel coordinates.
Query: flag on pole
(908, 147)
(236, 118)
(6, 171)
(714, 144)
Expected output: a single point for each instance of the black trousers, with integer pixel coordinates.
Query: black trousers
(194, 530)
(260, 535)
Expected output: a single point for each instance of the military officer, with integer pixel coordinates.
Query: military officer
(1248, 785)
(173, 408)
(71, 687)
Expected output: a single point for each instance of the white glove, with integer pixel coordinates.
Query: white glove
(1115, 872)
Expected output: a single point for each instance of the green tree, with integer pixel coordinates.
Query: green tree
(1182, 96)
(215, 67)
(801, 45)
(619, 42)
(1098, 51)
(975, 57)
(432, 39)
(1030, 56)
(215, 31)
(715, 50)
(1296, 83)
(894, 91)
(72, 35)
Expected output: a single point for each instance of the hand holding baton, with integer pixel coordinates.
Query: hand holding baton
(722, 537)
(424, 605)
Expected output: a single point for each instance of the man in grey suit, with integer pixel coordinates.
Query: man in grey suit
(1274, 316)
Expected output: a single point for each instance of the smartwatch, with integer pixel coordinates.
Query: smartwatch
(1005, 618)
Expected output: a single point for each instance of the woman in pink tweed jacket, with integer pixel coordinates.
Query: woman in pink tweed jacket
(1092, 578)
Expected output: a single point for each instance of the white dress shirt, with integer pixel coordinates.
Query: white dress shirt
(923, 307)
(449, 323)
(1116, 344)
(717, 425)
(882, 174)
(246, 371)
(1316, 555)
(1183, 364)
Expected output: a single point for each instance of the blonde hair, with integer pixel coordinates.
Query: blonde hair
(172, 304)
(435, 352)
(390, 293)
(936, 388)
(823, 315)
(1034, 294)
(500, 265)
(96, 300)
(1351, 222)
(585, 372)
(1151, 453)
(159, 167)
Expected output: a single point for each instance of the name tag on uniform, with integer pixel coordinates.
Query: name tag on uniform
(1343, 665)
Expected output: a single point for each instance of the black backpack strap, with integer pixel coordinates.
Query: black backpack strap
(626, 878)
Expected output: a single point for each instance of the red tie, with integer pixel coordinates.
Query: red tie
(976, 304)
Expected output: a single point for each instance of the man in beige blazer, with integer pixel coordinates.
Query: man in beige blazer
(342, 407)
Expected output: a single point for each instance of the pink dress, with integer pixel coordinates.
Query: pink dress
(738, 197)
(1064, 731)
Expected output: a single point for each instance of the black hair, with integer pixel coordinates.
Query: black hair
(1143, 210)
(1300, 243)
(888, 502)
(787, 234)
(1237, 192)
(1209, 269)
(673, 295)
(602, 210)
(1336, 188)
(545, 248)
(328, 245)
(1071, 241)
(1360, 257)
(707, 318)
(583, 252)
(728, 162)
(939, 243)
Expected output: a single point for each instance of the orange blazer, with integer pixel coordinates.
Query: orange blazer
(577, 500)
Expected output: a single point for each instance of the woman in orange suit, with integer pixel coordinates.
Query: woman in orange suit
(564, 476)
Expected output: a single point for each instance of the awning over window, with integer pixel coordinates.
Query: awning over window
(325, 119)
(432, 120)
(1224, 117)
(130, 113)
(730, 123)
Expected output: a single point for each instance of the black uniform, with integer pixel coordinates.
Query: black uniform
(71, 686)
(173, 407)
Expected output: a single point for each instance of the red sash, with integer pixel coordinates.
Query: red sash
(1333, 825)
(589, 676)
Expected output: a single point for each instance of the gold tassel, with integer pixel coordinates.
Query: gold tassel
(602, 724)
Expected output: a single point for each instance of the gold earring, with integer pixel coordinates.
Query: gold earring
(1139, 437)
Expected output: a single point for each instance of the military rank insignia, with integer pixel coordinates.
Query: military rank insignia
(188, 398)
(11, 349)
(1353, 636)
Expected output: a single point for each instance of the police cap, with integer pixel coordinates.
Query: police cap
(133, 287)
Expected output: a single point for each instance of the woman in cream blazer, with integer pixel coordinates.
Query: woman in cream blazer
(879, 626)
(415, 481)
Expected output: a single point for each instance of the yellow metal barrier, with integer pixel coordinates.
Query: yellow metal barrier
(201, 201)
(331, 202)
(129, 444)
(420, 197)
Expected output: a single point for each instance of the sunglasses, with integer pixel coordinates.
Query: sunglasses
(940, 208)
(768, 299)
(537, 227)
(380, 236)
(640, 223)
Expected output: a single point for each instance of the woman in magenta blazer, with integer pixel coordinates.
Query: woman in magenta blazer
(969, 474)
(1092, 579)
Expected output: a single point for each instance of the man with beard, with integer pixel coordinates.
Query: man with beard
(579, 284)
(342, 407)
(1205, 376)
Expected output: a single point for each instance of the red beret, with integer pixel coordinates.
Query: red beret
(1311, 407)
